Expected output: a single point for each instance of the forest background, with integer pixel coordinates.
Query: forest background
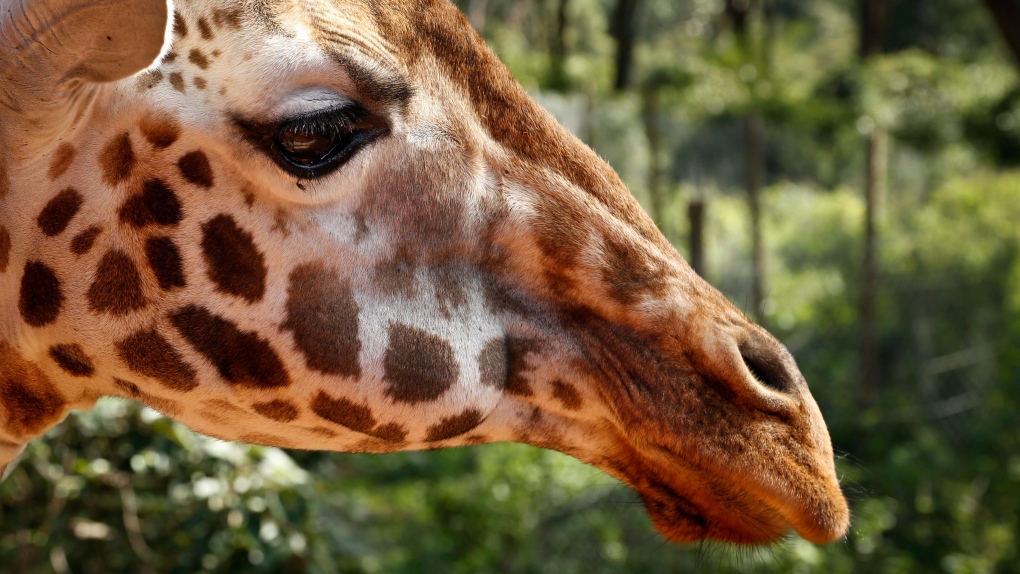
(847, 171)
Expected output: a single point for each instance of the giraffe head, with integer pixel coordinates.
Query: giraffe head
(343, 225)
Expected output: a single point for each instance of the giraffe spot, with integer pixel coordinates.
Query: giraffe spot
(230, 18)
(73, 359)
(195, 56)
(166, 406)
(59, 212)
(41, 297)
(31, 400)
(165, 261)
(395, 277)
(454, 426)
(355, 417)
(195, 168)
(566, 394)
(392, 432)
(170, 58)
(518, 351)
(234, 263)
(160, 130)
(5, 248)
(150, 79)
(281, 411)
(323, 431)
(242, 358)
(30, 407)
(117, 159)
(492, 363)
(323, 316)
(418, 365)
(200, 82)
(476, 439)
(117, 287)
(180, 26)
(204, 29)
(149, 354)
(83, 242)
(62, 160)
(157, 204)
(177, 81)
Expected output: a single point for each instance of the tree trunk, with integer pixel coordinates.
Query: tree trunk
(696, 216)
(874, 190)
(624, 30)
(477, 12)
(874, 17)
(755, 183)
(1007, 17)
(650, 115)
(558, 48)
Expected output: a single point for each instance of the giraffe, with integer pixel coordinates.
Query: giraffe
(342, 225)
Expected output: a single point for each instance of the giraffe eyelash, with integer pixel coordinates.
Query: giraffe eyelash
(345, 118)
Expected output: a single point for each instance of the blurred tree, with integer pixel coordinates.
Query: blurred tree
(738, 13)
(873, 19)
(625, 30)
(1007, 17)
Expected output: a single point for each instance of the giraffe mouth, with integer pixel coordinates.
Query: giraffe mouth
(707, 501)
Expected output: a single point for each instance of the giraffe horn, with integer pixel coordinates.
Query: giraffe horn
(46, 45)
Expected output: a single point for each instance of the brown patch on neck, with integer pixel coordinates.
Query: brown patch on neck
(195, 56)
(355, 417)
(160, 130)
(83, 242)
(59, 212)
(235, 264)
(117, 159)
(166, 406)
(180, 26)
(242, 357)
(73, 360)
(117, 288)
(62, 160)
(177, 81)
(30, 401)
(156, 204)
(204, 29)
(419, 366)
(323, 315)
(454, 426)
(41, 296)
(195, 168)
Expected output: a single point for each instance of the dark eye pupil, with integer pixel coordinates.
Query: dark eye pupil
(308, 149)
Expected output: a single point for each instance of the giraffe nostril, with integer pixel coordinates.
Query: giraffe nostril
(768, 368)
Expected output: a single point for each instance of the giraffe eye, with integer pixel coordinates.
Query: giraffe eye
(315, 145)
(308, 149)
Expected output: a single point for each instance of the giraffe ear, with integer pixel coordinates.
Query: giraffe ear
(45, 44)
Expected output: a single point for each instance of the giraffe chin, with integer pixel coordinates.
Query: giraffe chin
(695, 504)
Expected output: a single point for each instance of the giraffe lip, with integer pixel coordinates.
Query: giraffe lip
(711, 502)
(680, 519)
